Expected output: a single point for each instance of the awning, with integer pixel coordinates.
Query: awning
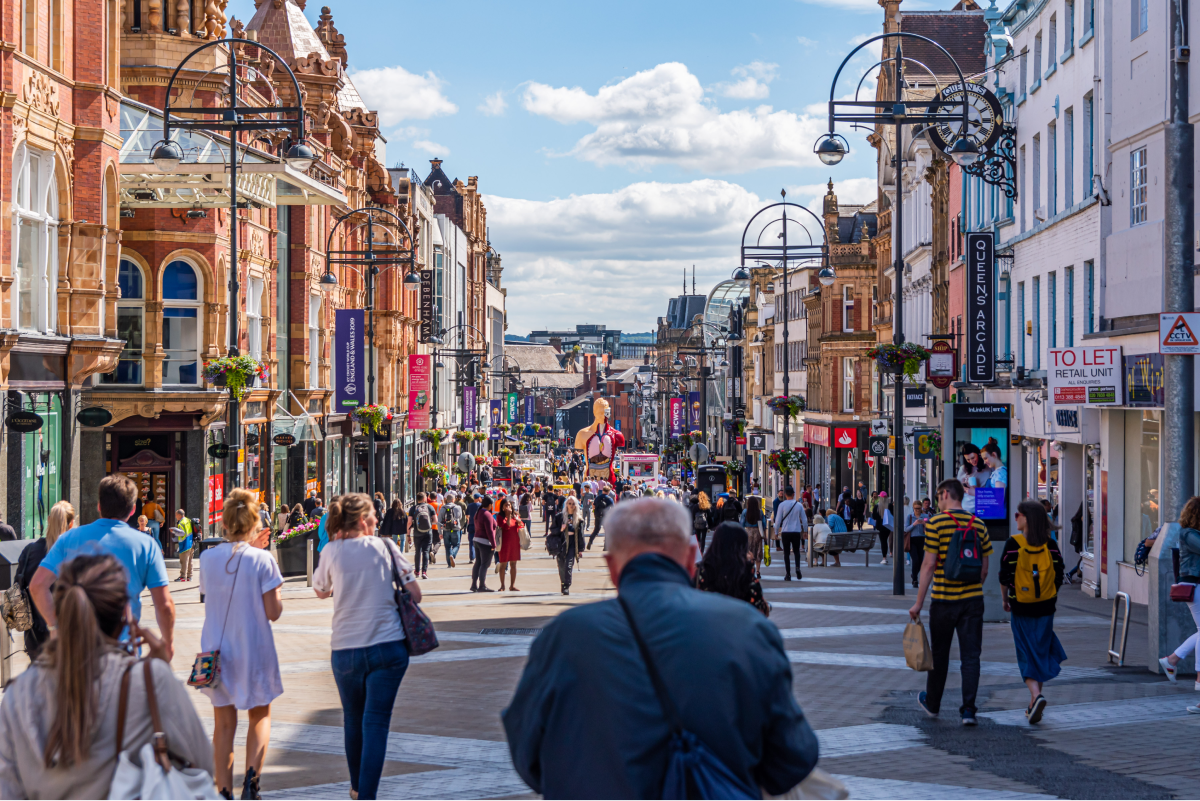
(304, 429)
(201, 180)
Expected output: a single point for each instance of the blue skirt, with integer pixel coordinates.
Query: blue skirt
(1039, 653)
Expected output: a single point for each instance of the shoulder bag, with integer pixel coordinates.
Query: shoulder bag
(157, 777)
(206, 670)
(1182, 593)
(419, 636)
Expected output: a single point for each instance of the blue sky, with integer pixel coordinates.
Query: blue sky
(615, 143)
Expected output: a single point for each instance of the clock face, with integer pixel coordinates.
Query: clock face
(985, 116)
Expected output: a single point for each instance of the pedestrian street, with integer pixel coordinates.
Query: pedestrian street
(1108, 732)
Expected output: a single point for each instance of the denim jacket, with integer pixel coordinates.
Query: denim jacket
(1189, 552)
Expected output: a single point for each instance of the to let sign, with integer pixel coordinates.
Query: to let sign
(981, 298)
(1091, 376)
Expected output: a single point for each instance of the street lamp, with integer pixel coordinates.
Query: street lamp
(371, 259)
(831, 148)
(232, 119)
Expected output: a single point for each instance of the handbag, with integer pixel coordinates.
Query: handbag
(1182, 593)
(157, 777)
(525, 540)
(206, 670)
(818, 785)
(15, 609)
(419, 636)
(693, 770)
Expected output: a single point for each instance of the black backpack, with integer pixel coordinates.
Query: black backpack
(699, 521)
(423, 523)
(964, 554)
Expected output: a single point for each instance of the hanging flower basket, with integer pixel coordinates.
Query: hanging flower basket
(505, 455)
(905, 359)
(504, 428)
(434, 437)
(479, 436)
(697, 436)
(433, 470)
(791, 405)
(785, 461)
(463, 437)
(685, 440)
(479, 460)
(236, 373)
(733, 467)
(372, 417)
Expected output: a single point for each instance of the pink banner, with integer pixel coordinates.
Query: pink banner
(420, 389)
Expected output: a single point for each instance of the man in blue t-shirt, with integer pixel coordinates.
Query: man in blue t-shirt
(141, 556)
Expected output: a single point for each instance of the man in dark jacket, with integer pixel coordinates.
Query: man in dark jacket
(472, 508)
(585, 721)
(603, 503)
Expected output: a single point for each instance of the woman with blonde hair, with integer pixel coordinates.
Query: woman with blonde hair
(238, 612)
(61, 519)
(569, 528)
(369, 655)
(59, 717)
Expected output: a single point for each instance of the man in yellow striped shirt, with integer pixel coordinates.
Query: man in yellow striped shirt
(957, 606)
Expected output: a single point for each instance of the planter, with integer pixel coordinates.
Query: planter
(293, 555)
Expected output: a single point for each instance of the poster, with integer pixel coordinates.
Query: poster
(216, 498)
(512, 408)
(675, 415)
(1144, 375)
(351, 390)
(420, 387)
(1089, 376)
(470, 412)
(695, 413)
(495, 417)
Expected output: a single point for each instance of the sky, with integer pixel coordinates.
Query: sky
(616, 144)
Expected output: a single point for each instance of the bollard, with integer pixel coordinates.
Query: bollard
(310, 561)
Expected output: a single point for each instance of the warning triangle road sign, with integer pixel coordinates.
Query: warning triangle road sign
(1181, 334)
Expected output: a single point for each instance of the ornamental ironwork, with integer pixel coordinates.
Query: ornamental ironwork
(998, 165)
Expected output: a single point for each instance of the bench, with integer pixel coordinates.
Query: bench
(861, 540)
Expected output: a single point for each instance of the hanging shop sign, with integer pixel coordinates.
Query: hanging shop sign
(23, 421)
(758, 442)
(251, 440)
(924, 446)
(426, 306)
(943, 364)
(218, 451)
(94, 416)
(914, 397)
(469, 407)
(284, 439)
(878, 446)
(816, 435)
(981, 307)
(420, 386)
(350, 389)
(1089, 376)
(845, 437)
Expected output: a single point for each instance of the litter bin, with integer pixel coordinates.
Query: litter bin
(10, 553)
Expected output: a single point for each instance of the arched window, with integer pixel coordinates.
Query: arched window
(181, 324)
(131, 323)
(35, 235)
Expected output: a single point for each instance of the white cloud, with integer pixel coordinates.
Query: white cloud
(851, 191)
(431, 147)
(616, 257)
(659, 116)
(399, 95)
(494, 104)
(804, 40)
(754, 84)
(874, 48)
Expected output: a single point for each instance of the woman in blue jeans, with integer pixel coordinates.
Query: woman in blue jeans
(369, 654)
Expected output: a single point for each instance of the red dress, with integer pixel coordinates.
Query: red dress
(510, 539)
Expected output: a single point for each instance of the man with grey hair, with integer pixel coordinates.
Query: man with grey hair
(586, 720)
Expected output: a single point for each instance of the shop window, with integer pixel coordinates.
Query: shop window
(314, 342)
(181, 324)
(35, 228)
(131, 317)
(254, 320)
(1142, 444)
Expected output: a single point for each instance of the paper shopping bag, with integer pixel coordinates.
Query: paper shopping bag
(916, 647)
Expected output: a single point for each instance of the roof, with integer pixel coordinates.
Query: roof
(585, 398)
(962, 33)
(533, 357)
(850, 228)
(681, 310)
(624, 364)
(560, 379)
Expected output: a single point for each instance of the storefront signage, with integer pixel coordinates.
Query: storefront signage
(914, 397)
(470, 413)
(923, 444)
(695, 414)
(1144, 380)
(426, 307)
(1066, 418)
(24, 422)
(495, 417)
(420, 387)
(284, 439)
(94, 416)
(216, 497)
(943, 364)
(512, 407)
(981, 306)
(251, 440)
(1085, 376)
(878, 446)
(758, 442)
(816, 435)
(350, 389)
(218, 450)
(845, 437)
(880, 428)
(675, 415)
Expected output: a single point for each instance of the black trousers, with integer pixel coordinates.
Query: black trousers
(791, 542)
(916, 550)
(595, 529)
(566, 566)
(702, 538)
(421, 545)
(885, 539)
(945, 619)
(483, 561)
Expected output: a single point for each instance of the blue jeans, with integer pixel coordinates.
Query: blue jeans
(367, 681)
(470, 535)
(452, 542)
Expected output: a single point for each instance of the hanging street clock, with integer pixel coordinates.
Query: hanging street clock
(986, 129)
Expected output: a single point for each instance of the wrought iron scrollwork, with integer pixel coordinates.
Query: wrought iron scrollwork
(999, 165)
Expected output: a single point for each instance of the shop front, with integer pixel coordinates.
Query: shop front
(819, 437)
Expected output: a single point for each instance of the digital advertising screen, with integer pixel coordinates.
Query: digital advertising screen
(991, 500)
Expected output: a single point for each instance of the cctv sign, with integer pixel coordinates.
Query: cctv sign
(1085, 376)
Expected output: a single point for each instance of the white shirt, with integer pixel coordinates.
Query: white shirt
(358, 572)
(790, 516)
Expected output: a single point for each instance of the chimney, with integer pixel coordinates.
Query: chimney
(435, 163)
(556, 343)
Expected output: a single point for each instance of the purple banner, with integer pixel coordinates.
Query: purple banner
(695, 415)
(470, 412)
(348, 377)
(495, 417)
(528, 410)
(676, 417)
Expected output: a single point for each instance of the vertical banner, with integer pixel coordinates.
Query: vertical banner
(695, 415)
(981, 307)
(735, 369)
(495, 417)
(512, 408)
(426, 308)
(676, 415)
(528, 410)
(348, 358)
(420, 386)
(470, 412)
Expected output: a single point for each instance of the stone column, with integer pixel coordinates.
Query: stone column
(91, 470)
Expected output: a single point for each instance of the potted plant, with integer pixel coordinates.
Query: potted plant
(234, 372)
(505, 455)
(697, 436)
(504, 428)
(292, 546)
(434, 437)
(733, 467)
(785, 461)
(479, 436)
(464, 438)
(790, 405)
(899, 359)
(372, 417)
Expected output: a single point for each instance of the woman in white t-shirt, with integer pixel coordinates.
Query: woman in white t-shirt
(240, 582)
(969, 475)
(369, 655)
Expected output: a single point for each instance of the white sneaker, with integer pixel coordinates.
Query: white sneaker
(1168, 669)
(1198, 685)
(883, 561)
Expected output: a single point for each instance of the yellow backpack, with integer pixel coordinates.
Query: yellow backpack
(1034, 577)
